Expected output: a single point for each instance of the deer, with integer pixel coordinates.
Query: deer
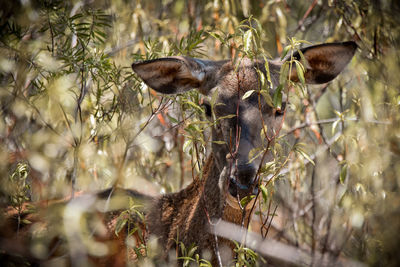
(228, 175)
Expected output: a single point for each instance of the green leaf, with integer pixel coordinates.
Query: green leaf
(248, 35)
(227, 117)
(268, 167)
(185, 258)
(77, 16)
(248, 94)
(299, 149)
(285, 51)
(187, 144)
(334, 125)
(255, 153)
(267, 97)
(262, 78)
(139, 214)
(205, 263)
(133, 230)
(300, 72)
(191, 251)
(266, 65)
(182, 247)
(26, 221)
(302, 58)
(190, 103)
(343, 173)
(244, 201)
(264, 192)
(30, 208)
(120, 224)
(172, 119)
(283, 76)
(214, 98)
(277, 98)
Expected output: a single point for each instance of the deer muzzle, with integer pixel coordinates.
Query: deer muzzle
(242, 179)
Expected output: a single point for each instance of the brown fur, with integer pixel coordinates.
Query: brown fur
(188, 216)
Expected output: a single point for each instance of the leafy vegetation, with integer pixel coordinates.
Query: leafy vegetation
(75, 118)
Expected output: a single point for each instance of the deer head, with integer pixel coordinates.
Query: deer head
(240, 132)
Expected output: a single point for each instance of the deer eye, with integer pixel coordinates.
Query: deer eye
(280, 112)
(207, 109)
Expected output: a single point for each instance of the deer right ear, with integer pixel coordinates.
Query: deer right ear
(171, 75)
(324, 62)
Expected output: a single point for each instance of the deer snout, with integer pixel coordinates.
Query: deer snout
(242, 179)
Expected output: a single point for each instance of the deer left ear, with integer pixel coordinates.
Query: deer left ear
(171, 75)
(325, 61)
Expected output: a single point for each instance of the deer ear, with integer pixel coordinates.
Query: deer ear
(171, 75)
(324, 62)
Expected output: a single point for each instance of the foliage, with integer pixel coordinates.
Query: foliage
(246, 256)
(75, 118)
(190, 257)
(19, 192)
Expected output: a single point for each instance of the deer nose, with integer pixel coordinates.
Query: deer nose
(241, 181)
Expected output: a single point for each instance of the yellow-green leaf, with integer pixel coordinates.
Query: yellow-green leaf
(300, 72)
(264, 192)
(248, 94)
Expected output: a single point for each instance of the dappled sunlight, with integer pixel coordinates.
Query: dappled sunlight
(77, 125)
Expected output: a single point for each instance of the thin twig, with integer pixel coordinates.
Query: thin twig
(266, 220)
(152, 116)
(331, 120)
(74, 171)
(270, 222)
(112, 51)
(310, 8)
(313, 220)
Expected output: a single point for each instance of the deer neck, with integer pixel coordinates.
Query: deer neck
(217, 201)
(211, 190)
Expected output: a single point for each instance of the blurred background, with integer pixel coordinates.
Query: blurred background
(74, 118)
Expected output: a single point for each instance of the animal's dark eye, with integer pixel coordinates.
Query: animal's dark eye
(207, 108)
(280, 112)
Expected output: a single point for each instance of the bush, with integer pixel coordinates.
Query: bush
(75, 118)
